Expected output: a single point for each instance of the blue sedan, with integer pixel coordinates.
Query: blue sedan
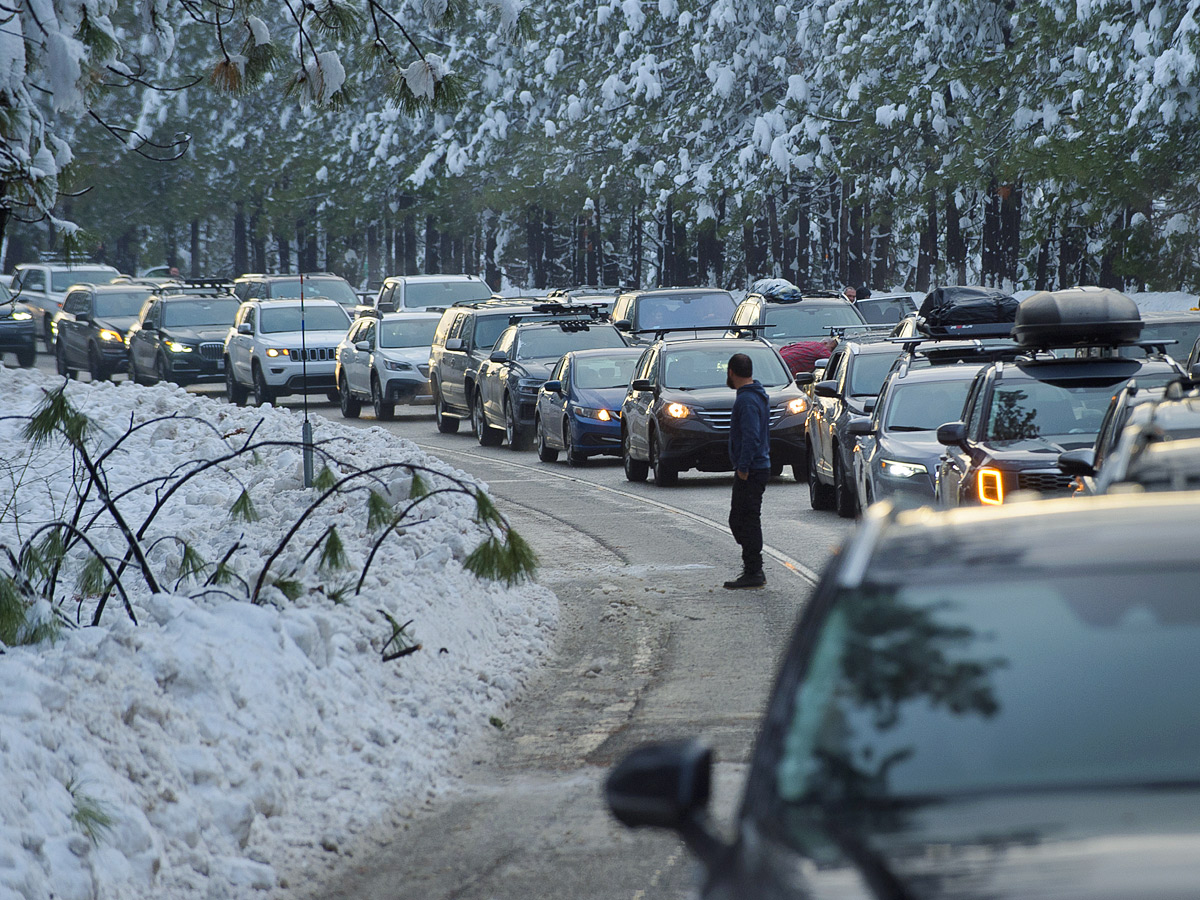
(578, 409)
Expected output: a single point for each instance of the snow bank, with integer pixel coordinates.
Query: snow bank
(225, 743)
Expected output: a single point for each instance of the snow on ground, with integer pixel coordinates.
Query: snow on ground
(227, 742)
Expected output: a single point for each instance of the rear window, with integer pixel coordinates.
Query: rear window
(683, 310)
(886, 312)
(330, 288)
(120, 305)
(444, 293)
(868, 372)
(789, 324)
(60, 281)
(551, 343)
(1183, 333)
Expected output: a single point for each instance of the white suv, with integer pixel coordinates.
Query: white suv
(420, 292)
(384, 360)
(43, 288)
(267, 353)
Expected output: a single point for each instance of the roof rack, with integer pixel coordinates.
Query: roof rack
(197, 286)
(659, 333)
(580, 311)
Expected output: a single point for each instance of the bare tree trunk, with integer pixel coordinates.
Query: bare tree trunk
(195, 269)
(285, 254)
(927, 251)
(241, 262)
(956, 248)
(432, 241)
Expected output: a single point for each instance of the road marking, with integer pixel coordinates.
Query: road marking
(796, 567)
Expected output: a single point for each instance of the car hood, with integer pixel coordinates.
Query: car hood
(912, 446)
(197, 333)
(599, 398)
(119, 324)
(1103, 846)
(536, 368)
(1036, 451)
(7, 309)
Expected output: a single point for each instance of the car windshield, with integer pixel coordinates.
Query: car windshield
(690, 368)
(316, 318)
(1184, 334)
(599, 372)
(551, 343)
(489, 328)
(397, 333)
(218, 311)
(996, 680)
(886, 312)
(925, 406)
(331, 288)
(1026, 410)
(60, 281)
(421, 294)
(120, 304)
(789, 324)
(868, 372)
(683, 310)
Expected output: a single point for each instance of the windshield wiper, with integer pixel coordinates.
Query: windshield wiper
(908, 428)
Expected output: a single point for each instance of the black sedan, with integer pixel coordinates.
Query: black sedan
(678, 408)
(181, 338)
(973, 705)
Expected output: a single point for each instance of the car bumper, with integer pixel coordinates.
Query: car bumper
(195, 368)
(17, 336)
(592, 437)
(696, 445)
(289, 377)
(916, 490)
(114, 357)
(415, 390)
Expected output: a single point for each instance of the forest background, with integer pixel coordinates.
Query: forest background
(623, 142)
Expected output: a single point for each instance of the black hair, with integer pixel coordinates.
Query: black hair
(741, 365)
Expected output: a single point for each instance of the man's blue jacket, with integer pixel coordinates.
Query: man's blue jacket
(750, 429)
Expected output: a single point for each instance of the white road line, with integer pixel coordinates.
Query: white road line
(779, 556)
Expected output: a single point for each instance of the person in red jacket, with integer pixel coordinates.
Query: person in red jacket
(803, 355)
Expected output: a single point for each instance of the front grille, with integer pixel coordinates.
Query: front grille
(315, 354)
(719, 419)
(213, 350)
(1044, 482)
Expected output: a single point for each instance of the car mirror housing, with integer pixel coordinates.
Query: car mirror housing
(860, 426)
(952, 434)
(641, 384)
(1195, 371)
(826, 388)
(454, 344)
(362, 345)
(386, 307)
(803, 378)
(498, 356)
(622, 325)
(552, 387)
(1080, 462)
(869, 403)
(245, 328)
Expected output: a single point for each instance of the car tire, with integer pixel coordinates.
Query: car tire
(635, 469)
(27, 357)
(844, 495)
(262, 391)
(445, 424)
(47, 333)
(95, 365)
(665, 474)
(235, 393)
(820, 496)
(799, 469)
(484, 433)
(333, 395)
(162, 371)
(384, 411)
(351, 405)
(545, 452)
(60, 361)
(516, 436)
(574, 457)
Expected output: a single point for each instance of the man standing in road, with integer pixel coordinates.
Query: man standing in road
(750, 453)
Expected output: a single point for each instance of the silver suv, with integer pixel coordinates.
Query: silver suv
(384, 360)
(268, 352)
(43, 288)
(409, 292)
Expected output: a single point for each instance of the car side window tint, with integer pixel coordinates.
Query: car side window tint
(251, 317)
(35, 280)
(507, 341)
(368, 334)
(564, 371)
(976, 405)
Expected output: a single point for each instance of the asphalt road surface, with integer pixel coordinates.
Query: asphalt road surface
(649, 647)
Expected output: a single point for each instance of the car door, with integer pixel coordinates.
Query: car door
(454, 364)
(638, 404)
(359, 375)
(824, 411)
(956, 461)
(145, 341)
(73, 326)
(345, 353)
(492, 376)
(551, 406)
(240, 346)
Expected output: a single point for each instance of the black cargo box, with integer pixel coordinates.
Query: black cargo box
(1086, 316)
(964, 310)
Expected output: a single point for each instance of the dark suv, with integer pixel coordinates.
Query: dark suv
(288, 287)
(180, 334)
(1019, 416)
(678, 408)
(520, 362)
(89, 332)
(790, 316)
(643, 313)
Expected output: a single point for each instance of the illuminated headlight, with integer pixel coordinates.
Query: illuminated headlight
(107, 334)
(588, 413)
(22, 316)
(897, 469)
(392, 366)
(274, 352)
(797, 406)
(176, 347)
(677, 411)
(989, 485)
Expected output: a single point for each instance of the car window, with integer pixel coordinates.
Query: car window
(992, 680)
(385, 296)
(598, 372)
(277, 319)
(198, 312)
(420, 295)
(76, 303)
(488, 329)
(645, 364)
(34, 280)
(925, 405)
(559, 372)
(684, 309)
(867, 374)
(833, 371)
(975, 403)
(506, 340)
(397, 333)
(252, 317)
(789, 324)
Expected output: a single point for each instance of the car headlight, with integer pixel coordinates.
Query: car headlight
(22, 316)
(393, 366)
(797, 406)
(176, 347)
(275, 351)
(898, 469)
(588, 413)
(677, 411)
(531, 386)
(107, 334)
(989, 486)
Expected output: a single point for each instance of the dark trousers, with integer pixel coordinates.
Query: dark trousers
(745, 517)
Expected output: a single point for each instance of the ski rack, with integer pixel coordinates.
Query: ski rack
(584, 312)
(659, 333)
(214, 286)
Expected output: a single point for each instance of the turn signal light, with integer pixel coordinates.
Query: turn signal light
(990, 487)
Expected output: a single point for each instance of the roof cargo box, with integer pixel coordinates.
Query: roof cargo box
(968, 311)
(1077, 316)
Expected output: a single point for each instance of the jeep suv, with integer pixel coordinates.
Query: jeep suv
(288, 287)
(267, 352)
(43, 288)
(90, 330)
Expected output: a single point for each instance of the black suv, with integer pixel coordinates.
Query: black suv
(1019, 416)
(180, 334)
(89, 332)
(643, 313)
(678, 408)
(288, 287)
(508, 382)
(791, 316)
(18, 334)
(851, 382)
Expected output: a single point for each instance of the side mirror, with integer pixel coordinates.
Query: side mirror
(362, 345)
(952, 434)
(821, 364)
(826, 388)
(869, 404)
(622, 325)
(803, 378)
(386, 307)
(1195, 371)
(641, 384)
(663, 785)
(860, 426)
(245, 328)
(454, 343)
(552, 387)
(499, 356)
(1076, 463)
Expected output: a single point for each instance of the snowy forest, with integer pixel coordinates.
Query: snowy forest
(620, 142)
